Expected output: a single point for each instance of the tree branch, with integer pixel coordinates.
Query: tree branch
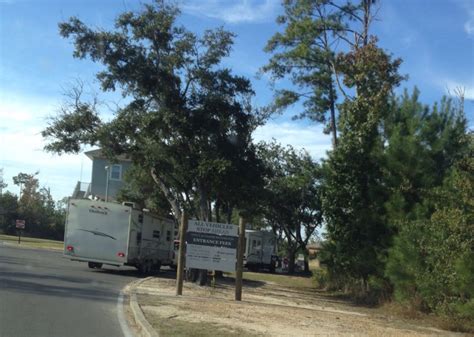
(168, 194)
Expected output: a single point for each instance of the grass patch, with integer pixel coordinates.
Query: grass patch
(176, 327)
(173, 326)
(32, 242)
(291, 281)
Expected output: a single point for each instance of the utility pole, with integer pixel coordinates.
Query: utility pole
(1, 181)
(240, 260)
(106, 183)
(180, 272)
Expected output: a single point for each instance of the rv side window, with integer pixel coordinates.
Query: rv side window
(156, 234)
(168, 235)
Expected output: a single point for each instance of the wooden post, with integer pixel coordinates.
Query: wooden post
(182, 236)
(240, 260)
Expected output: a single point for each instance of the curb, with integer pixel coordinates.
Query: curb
(145, 327)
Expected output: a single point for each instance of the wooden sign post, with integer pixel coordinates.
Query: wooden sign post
(182, 236)
(240, 260)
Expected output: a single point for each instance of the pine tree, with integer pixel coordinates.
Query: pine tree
(354, 193)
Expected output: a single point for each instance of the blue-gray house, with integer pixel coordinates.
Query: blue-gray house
(107, 177)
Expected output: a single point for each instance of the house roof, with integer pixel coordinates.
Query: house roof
(315, 245)
(98, 154)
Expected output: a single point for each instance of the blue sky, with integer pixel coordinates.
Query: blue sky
(435, 38)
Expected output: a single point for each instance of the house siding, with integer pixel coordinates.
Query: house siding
(99, 178)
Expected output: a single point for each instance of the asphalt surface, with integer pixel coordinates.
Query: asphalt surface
(43, 294)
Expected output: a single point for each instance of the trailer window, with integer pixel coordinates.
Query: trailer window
(156, 234)
(168, 235)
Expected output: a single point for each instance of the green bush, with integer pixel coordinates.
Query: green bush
(431, 263)
(320, 278)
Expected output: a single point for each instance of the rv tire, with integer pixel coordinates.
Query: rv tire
(272, 268)
(191, 275)
(143, 268)
(156, 267)
(94, 265)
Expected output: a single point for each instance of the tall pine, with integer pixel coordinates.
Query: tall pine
(354, 194)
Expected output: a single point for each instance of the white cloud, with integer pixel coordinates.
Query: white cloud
(233, 11)
(309, 137)
(468, 7)
(452, 86)
(21, 146)
(469, 25)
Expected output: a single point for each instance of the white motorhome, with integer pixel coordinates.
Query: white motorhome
(100, 233)
(260, 250)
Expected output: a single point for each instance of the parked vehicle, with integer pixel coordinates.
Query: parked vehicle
(260, 250)
(117, 234)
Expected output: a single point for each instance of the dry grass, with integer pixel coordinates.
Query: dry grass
(32, 242)
(297, 282)
(267, 309)
(410, 314)
(285, 280)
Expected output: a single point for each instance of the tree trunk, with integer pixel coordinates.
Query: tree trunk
(229, 215)
(204, 210)
(209, 210)
(333, 117)
(291, 260)
(217, 207)
(203, 206)
(367, 19)
(168, 195)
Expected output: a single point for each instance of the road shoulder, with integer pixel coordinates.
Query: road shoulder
(267, 309)
(134, 314)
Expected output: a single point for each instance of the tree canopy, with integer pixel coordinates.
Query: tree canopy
(292, 199)
(189, 120)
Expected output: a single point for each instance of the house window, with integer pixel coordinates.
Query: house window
(116, 172)
(156, 235)
(168, 235)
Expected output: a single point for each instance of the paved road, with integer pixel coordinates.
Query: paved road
(43, 294)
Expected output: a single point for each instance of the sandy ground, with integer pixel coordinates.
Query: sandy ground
(267, 309)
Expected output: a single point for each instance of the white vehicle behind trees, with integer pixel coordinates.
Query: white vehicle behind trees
(260, 250)
(101, 233)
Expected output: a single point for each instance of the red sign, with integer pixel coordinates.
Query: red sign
(20, 224)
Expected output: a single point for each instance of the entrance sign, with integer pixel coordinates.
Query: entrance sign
(211, 245)
(20, 224)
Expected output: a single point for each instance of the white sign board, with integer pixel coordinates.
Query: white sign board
(211, 245)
